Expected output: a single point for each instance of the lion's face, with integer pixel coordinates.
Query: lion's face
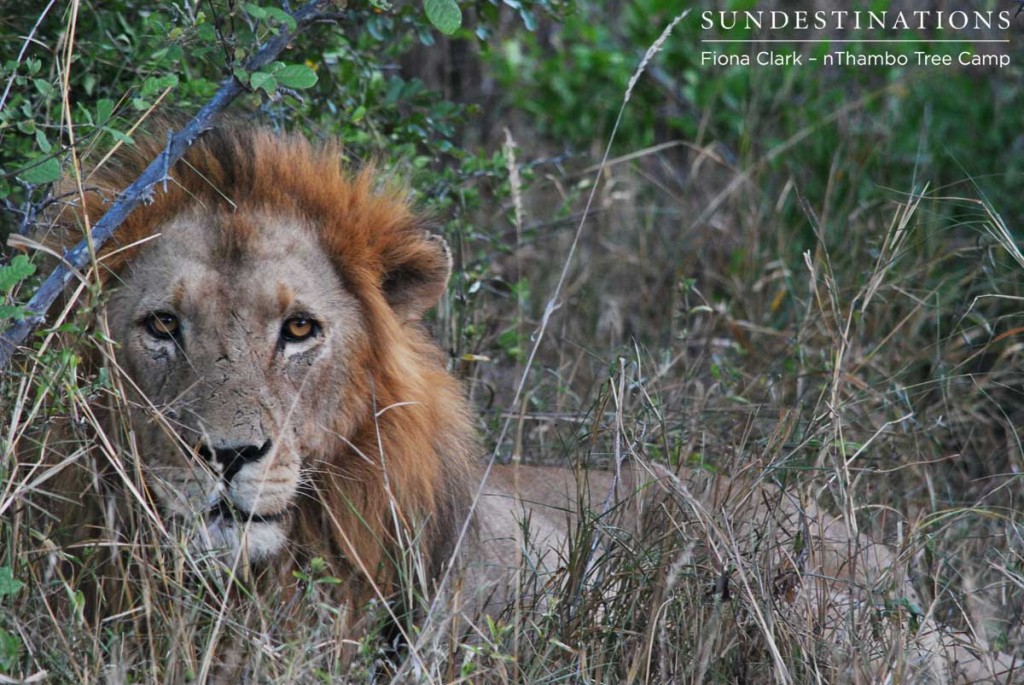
(238, 332)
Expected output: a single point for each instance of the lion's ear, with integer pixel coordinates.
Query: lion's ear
(416, 275)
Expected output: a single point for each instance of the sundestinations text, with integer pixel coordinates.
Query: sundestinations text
(819, 20)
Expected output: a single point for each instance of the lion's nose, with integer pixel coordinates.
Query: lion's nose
(235, 457)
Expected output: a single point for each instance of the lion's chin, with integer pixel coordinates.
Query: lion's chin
(234, 538)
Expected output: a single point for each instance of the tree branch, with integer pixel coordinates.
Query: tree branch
(143, 187)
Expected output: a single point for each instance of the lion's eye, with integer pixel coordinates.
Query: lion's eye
(299, 328)
(163, 325)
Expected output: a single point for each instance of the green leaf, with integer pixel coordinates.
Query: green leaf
(18, 270)
(12, 313)
(261, 79)
(118, 136)
(281, 17)
(297, 76)
(10, 651)
(207, 33)
(104, 110)
(42, 142)
(8, 584)
(46, 171)
(154, 84)
(254, 11)
(43, 86)
(444, 14)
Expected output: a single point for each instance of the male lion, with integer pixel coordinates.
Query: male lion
(288, 405)
(285, 397)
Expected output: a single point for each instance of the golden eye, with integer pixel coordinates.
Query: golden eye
(299, 328)
(163, 325)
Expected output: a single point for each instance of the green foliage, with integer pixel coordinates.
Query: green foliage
(444, 14)
(11, 275)
(132, 56)
(46, 170)
(10, 651)
(10, 644)
(9, 585)
(571, 87)
(912, 122)
(293, 76)
(19, 269)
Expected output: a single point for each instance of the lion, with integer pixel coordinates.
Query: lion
(287, 400)
(289, 406)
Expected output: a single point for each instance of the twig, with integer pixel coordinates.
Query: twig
(137, 192)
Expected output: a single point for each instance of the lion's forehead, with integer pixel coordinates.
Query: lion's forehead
(244, 242)
(241, 236)
(246, 265)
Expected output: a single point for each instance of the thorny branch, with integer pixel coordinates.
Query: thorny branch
(178, 143)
